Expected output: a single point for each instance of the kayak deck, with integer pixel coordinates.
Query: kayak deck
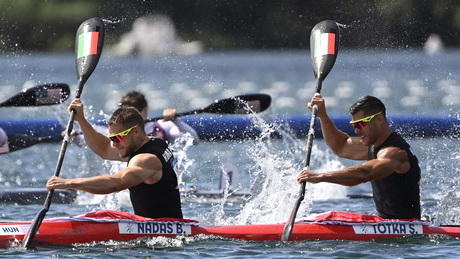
(113, 225)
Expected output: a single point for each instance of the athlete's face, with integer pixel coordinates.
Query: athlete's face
(366, 127)
(123, 142)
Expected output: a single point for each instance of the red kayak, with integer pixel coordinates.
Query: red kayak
(108, 225)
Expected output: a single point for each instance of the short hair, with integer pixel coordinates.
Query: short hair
(128, 117)
(369, 104)
(134, 99)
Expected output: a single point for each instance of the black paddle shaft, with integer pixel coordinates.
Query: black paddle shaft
(324, 44)
(88, 48)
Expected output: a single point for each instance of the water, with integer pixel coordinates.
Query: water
(409, 82)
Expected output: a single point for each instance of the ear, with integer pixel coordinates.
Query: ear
(144, 112)
(137, 129)
(381, 118)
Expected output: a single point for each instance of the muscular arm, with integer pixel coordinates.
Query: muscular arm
(340, 143)
(142, 168)
(99, 144)
(388, 161)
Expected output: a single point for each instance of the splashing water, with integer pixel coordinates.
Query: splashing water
(183, 162)
(449, 205)
(275, 166)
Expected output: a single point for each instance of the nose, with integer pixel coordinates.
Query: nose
(357, 130)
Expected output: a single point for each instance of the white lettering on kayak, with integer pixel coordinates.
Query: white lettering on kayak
(160, 228)
(389, 229)
(6, 230)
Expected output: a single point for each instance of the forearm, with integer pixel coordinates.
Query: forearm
(95, 185)
(350, 176)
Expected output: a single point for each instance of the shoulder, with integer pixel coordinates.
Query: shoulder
(393, 153)
(145, 160)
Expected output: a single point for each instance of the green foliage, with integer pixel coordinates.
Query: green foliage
(50, 25)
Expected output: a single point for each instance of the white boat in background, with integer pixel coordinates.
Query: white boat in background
(433, 44)
(153, 35)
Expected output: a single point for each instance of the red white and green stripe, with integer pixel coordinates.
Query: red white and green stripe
(87, 43)
(324, 44)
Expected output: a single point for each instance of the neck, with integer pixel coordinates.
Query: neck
(384, 136)
(146, 139)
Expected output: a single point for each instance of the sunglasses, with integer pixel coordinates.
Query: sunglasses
(361, 123)
(117, 138)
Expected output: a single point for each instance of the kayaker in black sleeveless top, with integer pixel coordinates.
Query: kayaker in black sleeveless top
(398, 195)
(391, 168)
(149, 175)
(149, 200)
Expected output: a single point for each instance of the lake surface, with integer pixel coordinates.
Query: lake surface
(408, 81)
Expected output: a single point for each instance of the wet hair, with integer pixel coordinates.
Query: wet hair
(369, 104)
(134, 99)
(128, 117)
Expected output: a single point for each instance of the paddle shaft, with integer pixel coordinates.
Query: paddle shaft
(232, 105)
(197, 111)
(311, 135)
(65, 141)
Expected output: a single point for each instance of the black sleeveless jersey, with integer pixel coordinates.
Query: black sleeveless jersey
(398, 195)
(161, 199)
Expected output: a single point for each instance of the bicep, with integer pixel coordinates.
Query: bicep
(141, 168)
(130, 177)
(353, 148)
(388, 161)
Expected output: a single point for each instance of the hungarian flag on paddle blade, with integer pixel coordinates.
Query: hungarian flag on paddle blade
(324, 44)
(87, 43)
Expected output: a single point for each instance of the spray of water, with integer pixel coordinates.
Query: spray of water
(182, 161)
(275, 164)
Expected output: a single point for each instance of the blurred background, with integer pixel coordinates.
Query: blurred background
(186, 54)
(33, 25)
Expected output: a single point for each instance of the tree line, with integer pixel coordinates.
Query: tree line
(34, 25)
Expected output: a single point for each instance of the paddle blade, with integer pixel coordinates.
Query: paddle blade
(324, 46)
(47, 94)
(29, 237)
(88, 48)
(242, 104)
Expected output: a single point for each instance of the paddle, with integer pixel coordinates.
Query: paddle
(20, 141)
(324, 45)
(46, 94)
(241, 104)
(88, 47)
